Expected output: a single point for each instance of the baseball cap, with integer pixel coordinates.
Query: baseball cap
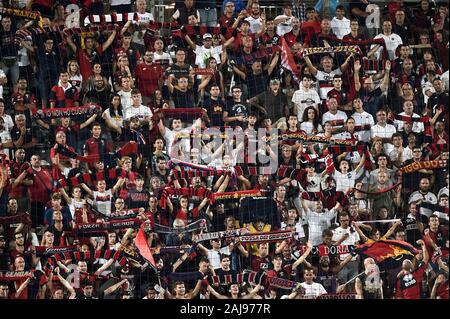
(207, 36)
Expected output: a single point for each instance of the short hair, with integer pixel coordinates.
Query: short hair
(135, 92)
(223, 256)
(340, 7)
(327, 233)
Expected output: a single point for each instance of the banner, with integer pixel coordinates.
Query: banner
(323, 250)
(95, 228)
(417, 166)
(15, 275)
(235, 195)
(287, 60)
(267, 237)
(32, 15)
(346, 49)
(142, 244)
(44, 114)
(49, 251)
(337, 296)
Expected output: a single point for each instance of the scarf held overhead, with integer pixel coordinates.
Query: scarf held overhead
(44, 114)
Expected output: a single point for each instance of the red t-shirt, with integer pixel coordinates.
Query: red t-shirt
(147, 76)
(39, 191)
(86, 61)
(408, 287)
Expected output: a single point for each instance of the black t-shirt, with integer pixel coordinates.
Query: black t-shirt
(257, 83)
(236, 109)
(101, 97)
(137, 199)
(412, 232)
(215, 110)
(8, 47)
(183, 99)
(371, 100)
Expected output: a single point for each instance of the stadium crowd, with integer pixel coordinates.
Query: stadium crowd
(113, 186)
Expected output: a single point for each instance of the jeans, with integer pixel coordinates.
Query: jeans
(208, 17)
(11, 72)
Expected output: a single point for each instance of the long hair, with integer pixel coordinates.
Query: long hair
(111, 108)
(316, 117)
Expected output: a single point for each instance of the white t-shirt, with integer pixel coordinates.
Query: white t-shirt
(299, 231)
(214, 256)
(364, 118)
(255, 24)
(2, 75)
(102, 201)
(119, 2)
(345, 181)
(353, 239)
(118, 120)
(125, 99)
(317, 223)
(9, 124)
(425, 198)
(313, 291)
(172, 144)
(202, 54)
(308, 127)
(302, 99)
(383, 132)
(340, 27)
(142, 112)
(406, 154)
(392, 42)
(163, 58)
(285, 27)
(326, 81)
(444, 78)
(5, 136)
(417, 127)
(328, 116)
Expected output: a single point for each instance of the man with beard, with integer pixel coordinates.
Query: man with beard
(424, 196)
(273, 104)
(295, 35)
(269, 38)
(371, 97)
(39, 190)
(148, 76)
(99, 94)
(412, 180)
(21, 220)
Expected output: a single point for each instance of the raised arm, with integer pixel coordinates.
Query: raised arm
(190, 42)
(194, 293)
(302, 258)
(109, 41)
(392, 229)
(87, 189)
(359, 231)
(118, 185)
(215, 293)
(114, 287)
(385, 83)
(357, 68)
(311, 66)
(273, 63)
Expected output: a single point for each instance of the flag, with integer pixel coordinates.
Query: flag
(388, 254)
(287, 60)
(142, 245)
